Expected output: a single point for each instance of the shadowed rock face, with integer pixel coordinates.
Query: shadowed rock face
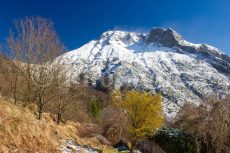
(166, 37)
(170, 38)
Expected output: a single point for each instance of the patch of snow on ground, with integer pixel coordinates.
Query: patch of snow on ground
(69, 146)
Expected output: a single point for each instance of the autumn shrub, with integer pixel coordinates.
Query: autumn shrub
(143, 111)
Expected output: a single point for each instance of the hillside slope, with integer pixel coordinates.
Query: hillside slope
(159, 61)
(4, 69)
(20, 131)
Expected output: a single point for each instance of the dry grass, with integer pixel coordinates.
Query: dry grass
(20, 131)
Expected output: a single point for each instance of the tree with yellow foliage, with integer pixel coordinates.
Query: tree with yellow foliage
(143, 111)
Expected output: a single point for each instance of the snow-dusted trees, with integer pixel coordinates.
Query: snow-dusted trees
(175, 141)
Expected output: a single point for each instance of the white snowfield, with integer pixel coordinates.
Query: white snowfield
(129, 59)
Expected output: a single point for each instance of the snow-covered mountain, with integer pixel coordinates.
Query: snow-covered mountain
(160, 61)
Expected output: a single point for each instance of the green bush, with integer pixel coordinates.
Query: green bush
(95, 108)
(175, 141)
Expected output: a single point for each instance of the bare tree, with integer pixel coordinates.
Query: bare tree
(64, 98)
(13, 80)
(34, 46)
(210, 123)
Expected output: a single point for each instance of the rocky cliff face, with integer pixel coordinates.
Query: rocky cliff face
(160, 61)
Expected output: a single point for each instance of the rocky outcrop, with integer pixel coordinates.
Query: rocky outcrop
(170, 38)
(166, 37)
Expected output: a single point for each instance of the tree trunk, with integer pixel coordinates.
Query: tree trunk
(59, 118)
(156, 147)
(144, 147)
(132, 150)
(133, 145)
(39, 115)
(59, 114)
(15, 98)
(15, 89)
(39, 112)
(40, 108)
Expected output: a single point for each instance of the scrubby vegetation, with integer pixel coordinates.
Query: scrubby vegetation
(209, 123)
(21, 131)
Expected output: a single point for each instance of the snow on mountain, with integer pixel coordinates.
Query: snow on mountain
(160, 61)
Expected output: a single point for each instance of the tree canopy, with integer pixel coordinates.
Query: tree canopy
(143, 111)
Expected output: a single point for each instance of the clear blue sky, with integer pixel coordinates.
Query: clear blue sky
(79, 21)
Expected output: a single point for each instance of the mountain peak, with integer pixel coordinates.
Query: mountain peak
(160, 61)
(158, 36)
(166, 37)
